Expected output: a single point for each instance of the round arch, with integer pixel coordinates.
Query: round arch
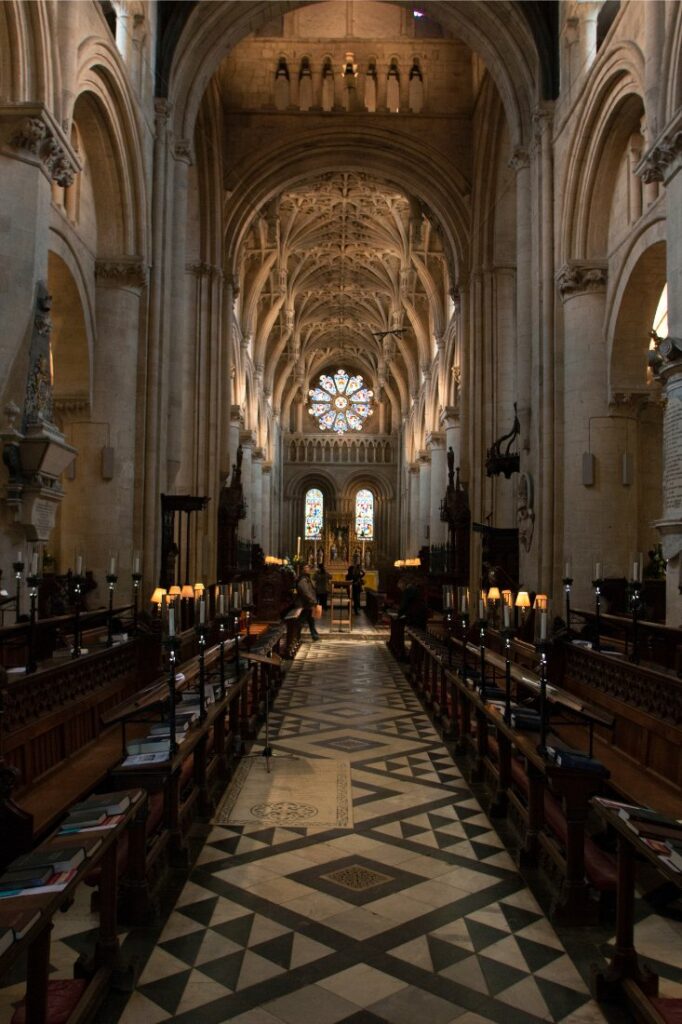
(498, 32)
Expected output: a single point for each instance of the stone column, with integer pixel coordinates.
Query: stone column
(663, 163)
(267, 532)
(257, 457)
(588, 532)
(413, 490)
(178, 310)
(229, 439)
(435, 442)
(424, 460)
(247, 440)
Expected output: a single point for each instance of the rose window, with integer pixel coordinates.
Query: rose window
(341, 402)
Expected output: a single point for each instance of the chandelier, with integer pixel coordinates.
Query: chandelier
(341, 402)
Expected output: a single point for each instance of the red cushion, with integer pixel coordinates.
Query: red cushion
(600, 867)
(669, 1009)
(62, 999)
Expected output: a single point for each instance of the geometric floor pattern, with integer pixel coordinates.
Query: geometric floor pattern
(416, 915)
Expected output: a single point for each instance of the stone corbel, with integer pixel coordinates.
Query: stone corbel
(121, 272)
(662, 159)
(580, 276)
(435, 439)
(29, 131)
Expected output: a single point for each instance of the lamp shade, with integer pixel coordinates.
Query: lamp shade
(187, 591)
(522, 599)
(200, 587)
(494, 594)
(158, 595)
(175, 591)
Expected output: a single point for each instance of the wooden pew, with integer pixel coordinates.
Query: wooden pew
(657, 643)
(34, 913)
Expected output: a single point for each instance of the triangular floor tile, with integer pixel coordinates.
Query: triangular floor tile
(202, 912)
(444, 954)
(439, 820)
(214, 945)
(468, 973)
(500, 976)
(536, 955)
(225, 970)
(167, 992)
(561, 1001)
(445, 841)
(278, 949)
(238, 930)
(263, 929)
(409, 831)
(306, 950)
(483, 935)
(198, 992)
(185, 947)
(526, 996)
(161, 965)
(226, 910)
(256, 969)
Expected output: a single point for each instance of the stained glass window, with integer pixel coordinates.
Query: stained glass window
(341, 402)
(364, 515)
(314, 513)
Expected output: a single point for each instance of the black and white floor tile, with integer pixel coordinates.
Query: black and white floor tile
(417, 913)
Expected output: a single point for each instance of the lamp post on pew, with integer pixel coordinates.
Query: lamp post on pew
(597, 583)
(463, 607)
(172, 645)
(236, 608)
(200, 620)
(221, 635)
(112, 580)
(507, 635)
(77, 581)
(248, 606)
(448, 610)
(33, 581)
(568, 583)
(482, 624)
(635, 588)
(18, 569)
(542, 643)
(137, 579)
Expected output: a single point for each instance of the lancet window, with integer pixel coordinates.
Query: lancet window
(364, 515)
(314, 514)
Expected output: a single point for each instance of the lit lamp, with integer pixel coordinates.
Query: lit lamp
(157, 598)
(493, 602)
(523, 602)
(221, 611)
(448, 609)
(635, 589)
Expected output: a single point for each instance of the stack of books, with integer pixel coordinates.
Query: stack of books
(155, 748)
(96, 813)
(44, 870)
(659, 833)
(526, 719)
(577, 760)
(18, 925)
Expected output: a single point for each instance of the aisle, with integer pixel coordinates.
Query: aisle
(415, 914)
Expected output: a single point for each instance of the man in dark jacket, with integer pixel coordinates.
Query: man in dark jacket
(307, 599)
(356, 575)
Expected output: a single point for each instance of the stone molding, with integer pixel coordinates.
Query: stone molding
(519, 159)
(578, 277)
(435, 439)
(121, 272)
(201, 269)
(247, 438)
(424, 456)
(449, 416)
(661, 161)
(34, 132)
(258, 455)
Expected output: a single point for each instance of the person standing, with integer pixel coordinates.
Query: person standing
(307, 599)
(322, 581)
(356, 575)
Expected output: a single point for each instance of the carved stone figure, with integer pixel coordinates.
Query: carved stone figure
(525, 514)
(39, 402)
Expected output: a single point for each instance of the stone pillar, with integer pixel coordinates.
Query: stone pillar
(663, 163)
(267, 531)
(299, 415)
(234, 432)
(439, 481)
(413, 491)
(178, 311)
(590, 533)
(257, 457)
(247, 441)
(229, 439)
(450, 421)
(424, 499)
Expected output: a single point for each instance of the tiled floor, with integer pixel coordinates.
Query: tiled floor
(416, 914)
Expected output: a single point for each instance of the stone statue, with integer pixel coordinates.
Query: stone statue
(451, 467)
(39, 404)
(525, 514)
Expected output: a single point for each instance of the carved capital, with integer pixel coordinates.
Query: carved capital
(124, 272)
(662, 160)
(575, 278)
(183, 151)
(519, 159)
(35, 133)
